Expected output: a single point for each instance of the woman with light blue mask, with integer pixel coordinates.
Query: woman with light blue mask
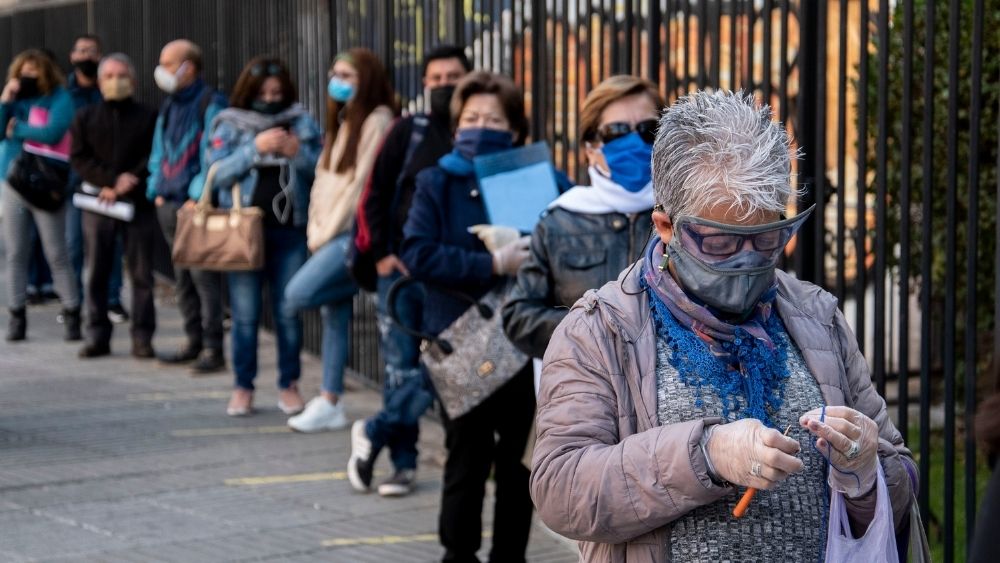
(360, 107)
(705, 371)
(591, 233)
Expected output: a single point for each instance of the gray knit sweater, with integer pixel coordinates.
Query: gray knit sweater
(787, 523)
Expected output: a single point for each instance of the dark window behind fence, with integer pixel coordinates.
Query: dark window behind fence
(892, 105)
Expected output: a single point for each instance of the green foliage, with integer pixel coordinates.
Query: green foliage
(985, 153)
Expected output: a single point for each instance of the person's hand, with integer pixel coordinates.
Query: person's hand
(508, 259)
(125, 183)
(190, 204)
(270, 141)
(10, 91)
(850, 440)
(11, 123)
(391, 263)
(107, 196)
(495, 237)
(290, 147)
(748, 453)
(159, 201)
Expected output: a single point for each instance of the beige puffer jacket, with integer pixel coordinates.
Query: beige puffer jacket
(607, 474)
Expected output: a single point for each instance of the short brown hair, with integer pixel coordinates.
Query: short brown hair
(606, 93)
(511, 100)
(49, 75)
(257, 71)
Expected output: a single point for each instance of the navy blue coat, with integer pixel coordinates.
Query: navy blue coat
(438, 248)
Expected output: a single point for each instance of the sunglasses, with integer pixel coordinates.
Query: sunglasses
(269, 69)
(611, 131)
(717, 241)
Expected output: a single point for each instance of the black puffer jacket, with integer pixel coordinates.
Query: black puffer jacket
(570, 253)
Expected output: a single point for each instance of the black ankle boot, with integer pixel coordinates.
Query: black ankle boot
(71, 320)
(17, 327)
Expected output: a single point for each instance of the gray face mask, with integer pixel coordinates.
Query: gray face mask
(731, 284)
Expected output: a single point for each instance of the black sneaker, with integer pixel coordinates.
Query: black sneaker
(361, 465)
(210, 360)
(71, 325)
(142, 350)
(94, 350)
(184, 355)
(117, 314)
(400, 485)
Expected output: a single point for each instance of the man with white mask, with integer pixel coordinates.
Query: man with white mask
(177, 169)
(111, 143)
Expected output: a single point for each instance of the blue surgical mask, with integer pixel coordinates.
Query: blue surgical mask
(628, 160)
(340, 90)
(478, 141)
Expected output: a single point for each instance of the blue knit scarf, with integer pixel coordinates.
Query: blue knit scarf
(745, 364)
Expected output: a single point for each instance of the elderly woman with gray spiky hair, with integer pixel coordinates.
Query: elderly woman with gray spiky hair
(704, 370)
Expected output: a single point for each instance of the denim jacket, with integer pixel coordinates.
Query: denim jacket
(60, 106)
(234, 149)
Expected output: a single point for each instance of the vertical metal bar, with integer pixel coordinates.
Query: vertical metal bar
(783, 50)
(951, 243)
(702, 19)
(861, 226)
(655, 48)
(906, 149)
(733, 44)
(629, 65)
(819, 161)
(972, 258)
(564, 134)
(926, 272)
(716, 32)
(668, 50)
(768, 8)
(841, 286)
(687, 47)
(751, 22)
(881, 198)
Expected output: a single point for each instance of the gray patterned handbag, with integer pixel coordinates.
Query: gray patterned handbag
(470, 359)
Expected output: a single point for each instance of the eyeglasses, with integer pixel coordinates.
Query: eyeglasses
(717, 241)
(269, 69)
(611, 131)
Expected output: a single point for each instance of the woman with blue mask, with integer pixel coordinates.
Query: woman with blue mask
(591, 233)
(706, 371)
(360, 107)
(439, 249)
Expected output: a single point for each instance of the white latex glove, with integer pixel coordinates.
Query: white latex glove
(836, 435)
(509, 258)
(736, 448)
(495, 237)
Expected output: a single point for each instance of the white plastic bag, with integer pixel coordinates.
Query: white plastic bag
(878, 545)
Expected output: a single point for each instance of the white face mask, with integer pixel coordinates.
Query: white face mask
(166, 80)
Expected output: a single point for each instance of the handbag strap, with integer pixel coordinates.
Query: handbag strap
(484, 310)
(205, 202)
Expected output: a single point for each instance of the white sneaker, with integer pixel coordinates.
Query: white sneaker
(361, 466)
(320, 415)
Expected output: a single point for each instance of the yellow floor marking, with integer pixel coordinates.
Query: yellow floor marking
(300, 478)
(232, 431)
(178, 396)
(386, 540)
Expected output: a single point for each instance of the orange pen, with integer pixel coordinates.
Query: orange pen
(744, 504)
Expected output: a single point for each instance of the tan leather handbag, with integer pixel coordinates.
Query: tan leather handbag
(225, 240)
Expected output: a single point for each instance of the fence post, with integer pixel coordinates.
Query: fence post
(811, 163)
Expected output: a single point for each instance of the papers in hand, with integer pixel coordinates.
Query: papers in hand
(88, 201)
(517, 185)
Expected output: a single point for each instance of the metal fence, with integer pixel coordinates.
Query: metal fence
(893, 105)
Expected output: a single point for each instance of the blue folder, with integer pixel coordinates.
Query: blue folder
(517, 185)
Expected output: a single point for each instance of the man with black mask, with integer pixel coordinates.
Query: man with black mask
(414, 143)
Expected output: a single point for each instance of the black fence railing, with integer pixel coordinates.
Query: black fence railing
(895, 107)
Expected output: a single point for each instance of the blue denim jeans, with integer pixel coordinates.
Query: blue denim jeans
(284, 254)
(324, 282)
(407, 393)
(74, 245)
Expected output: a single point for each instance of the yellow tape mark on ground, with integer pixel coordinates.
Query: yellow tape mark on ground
(386, 540)
(300, 478)
(178, 396)
(232, 431)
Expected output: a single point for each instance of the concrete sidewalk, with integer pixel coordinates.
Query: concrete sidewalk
(120, 460)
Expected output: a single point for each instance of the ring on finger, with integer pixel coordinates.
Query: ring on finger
(756, 469)
(854, 450)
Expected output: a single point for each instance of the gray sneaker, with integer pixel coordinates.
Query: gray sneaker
(400, 485)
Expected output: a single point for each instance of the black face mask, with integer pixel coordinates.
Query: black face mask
(441, 100)
(268, 108)
(28, 88)
(87, 68)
